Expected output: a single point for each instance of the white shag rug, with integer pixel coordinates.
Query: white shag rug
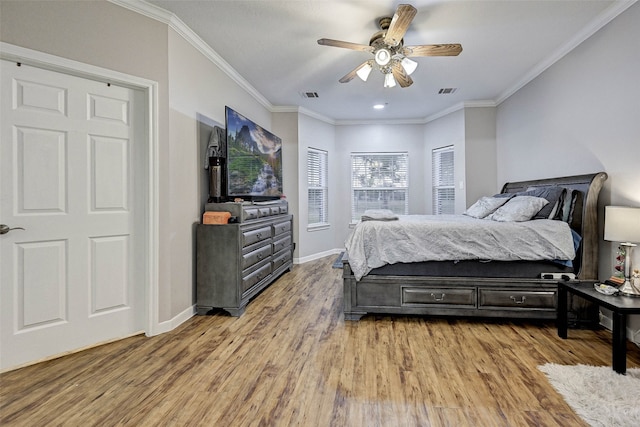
(598, 394)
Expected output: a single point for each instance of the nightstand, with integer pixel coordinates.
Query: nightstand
(620, 306)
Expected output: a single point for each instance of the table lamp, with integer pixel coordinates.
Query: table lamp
(622, 224)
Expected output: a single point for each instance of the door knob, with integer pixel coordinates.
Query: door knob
(4, 229)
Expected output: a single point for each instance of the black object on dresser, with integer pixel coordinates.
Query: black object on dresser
(235, 261)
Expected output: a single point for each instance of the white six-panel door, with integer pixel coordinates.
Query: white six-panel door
(68, 152)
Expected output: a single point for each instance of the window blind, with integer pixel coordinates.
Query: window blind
(317, 184)
(379, 181)
(443, 180)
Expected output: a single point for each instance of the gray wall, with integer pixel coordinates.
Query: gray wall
(197, 88)
(315, 133)
(582, 115)
(442, 132)
(480, 153)
(377, 138)
(285, 125)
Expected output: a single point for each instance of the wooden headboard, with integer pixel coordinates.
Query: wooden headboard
(586, 224)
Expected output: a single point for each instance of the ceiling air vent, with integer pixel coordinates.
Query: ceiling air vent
(447, 90)
(310, 94)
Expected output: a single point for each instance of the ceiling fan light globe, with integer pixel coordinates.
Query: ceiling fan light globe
(383, 56)
(389, 81)
(409, 65)
(364, 72)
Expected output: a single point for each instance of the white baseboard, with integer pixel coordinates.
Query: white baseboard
(317, 256)
(178, 320)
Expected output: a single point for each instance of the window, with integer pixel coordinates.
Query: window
(443, 184)
(379, 181)
(317, 187)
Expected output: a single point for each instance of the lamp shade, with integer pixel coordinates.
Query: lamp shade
(409, 65)
(622, 224)
(389, 81)
(364, 71)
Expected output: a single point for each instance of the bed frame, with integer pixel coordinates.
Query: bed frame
(492, 297)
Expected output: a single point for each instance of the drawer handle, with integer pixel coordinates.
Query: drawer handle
(522, 299)
(259, 276)
(260, 256)
(441, 298)
(259, 235)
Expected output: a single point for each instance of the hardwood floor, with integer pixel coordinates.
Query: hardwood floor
(291, 360)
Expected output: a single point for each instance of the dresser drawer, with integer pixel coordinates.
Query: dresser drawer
(281, 243)
(282, 259)
(281, 227)
(491, 298)
(250, 237)
(255, 277)
(256, 256)
(462, 297)
(250, 214)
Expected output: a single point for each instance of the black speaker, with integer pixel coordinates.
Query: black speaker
(215, 163)
(216, 167)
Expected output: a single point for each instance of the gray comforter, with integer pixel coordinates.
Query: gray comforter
(416, 238)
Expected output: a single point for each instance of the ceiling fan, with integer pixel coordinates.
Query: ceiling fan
(390, 55)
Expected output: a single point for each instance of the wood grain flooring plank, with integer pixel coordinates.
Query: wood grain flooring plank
(292, 360)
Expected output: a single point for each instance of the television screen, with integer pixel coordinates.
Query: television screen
(254, 159)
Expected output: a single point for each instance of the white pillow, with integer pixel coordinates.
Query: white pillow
(484, 206)
(519, 208)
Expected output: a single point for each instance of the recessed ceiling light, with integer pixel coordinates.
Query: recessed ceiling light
(378, 106)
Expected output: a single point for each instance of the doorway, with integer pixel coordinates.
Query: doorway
(75, 178)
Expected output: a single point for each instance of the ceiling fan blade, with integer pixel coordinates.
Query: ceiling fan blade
(399, 24)
(351, 74)
(453, 49)
(401, 76)
(345, 45)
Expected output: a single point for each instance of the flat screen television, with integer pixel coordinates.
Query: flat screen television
(254, 160)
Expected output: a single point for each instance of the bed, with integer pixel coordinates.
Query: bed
(502, 288)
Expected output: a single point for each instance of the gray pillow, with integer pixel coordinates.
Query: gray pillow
(554, 195)
(568, 205)
(519, 208)
(485, 206)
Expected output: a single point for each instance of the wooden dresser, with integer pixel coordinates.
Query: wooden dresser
(235, 261)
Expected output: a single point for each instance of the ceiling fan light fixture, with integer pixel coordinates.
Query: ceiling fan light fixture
(409, 65)
(383, 56)
(364, 71)
(389, 52)
(389, 81)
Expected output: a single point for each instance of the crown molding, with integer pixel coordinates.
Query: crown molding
(154, 12)
(423, 121)
(380, 122)
(616, 8)
(157, 13)
(460, 106)
(302, 110)
(317, 116)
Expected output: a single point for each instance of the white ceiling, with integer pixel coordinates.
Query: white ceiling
(273, 45)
